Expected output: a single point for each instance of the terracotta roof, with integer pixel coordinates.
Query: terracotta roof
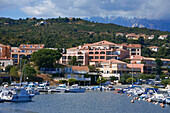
(131, 34)
(114, 61)
(2, 58)
(104, 42)
(134, 45)
(137, 57)
(2, 45)
(80, 68)
(153, 47)
(165, 59)
(121, 49)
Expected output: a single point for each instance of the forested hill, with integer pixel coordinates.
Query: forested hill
(65, 32)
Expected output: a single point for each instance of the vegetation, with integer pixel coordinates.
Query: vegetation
(72, 80)
(129, 80)
(101, 80)
(45, 58)
(166, 82)
(8, 68)
(13, 71)
(62, 81)
(113, 78)
(159, 63)
(73, 61)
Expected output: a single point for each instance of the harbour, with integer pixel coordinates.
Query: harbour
(91, 102)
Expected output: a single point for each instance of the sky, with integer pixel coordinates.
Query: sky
(149, 9)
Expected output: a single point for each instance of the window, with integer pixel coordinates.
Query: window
(96, 57)
(90, 52)
(102, 52)
(30, 51)
(80, 57)
(96, 52)
(64, 57)
(102, 57)
(120, 66)
(90, 57)
(23, 51)
(138, 49)
(69, 57)
(137, 53)
(30, 46)
(23, 46)
(15, 50)
(15, 56)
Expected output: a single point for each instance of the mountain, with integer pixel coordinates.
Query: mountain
(163, 25)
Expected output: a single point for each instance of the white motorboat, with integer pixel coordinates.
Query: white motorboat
(42, 88)
(158, 97)
(75, 89)
(167, 100)
(16, 95)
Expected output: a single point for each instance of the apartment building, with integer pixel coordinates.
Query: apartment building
(113, 67)
(5, 51)
(5, 55)
(24, 50)
(134, 49)
(95, 52)
(146, 65)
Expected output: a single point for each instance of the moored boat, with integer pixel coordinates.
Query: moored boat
(75, 89)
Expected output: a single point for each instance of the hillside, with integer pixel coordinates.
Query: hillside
(65, 33)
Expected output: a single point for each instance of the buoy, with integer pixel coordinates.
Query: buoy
(156, 103)
(134, 98)
(162, 106)
(132, 101)
(153, 102)
(149, 100)
(139, 99)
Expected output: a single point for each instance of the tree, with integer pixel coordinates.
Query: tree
(45, 58)
(166, 82)
(73, 61)
(29, 71)
(7, 68)
(141, 40)
(129, 80)
(62, 81)
(159, 63)
(101, 80)
(13, 71)
(91, 68)
(113, 78)
(72, 80)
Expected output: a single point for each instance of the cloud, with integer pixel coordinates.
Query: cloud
(151, 9)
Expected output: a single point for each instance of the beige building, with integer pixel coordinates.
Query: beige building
(134, 49)
(24, 50)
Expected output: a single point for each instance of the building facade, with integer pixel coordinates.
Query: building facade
(5, 51)
(134, 49)
(24, 50)
(96, 52)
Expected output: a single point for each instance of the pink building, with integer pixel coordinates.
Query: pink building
(146, 65)
(95, 53)
(24, 50)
